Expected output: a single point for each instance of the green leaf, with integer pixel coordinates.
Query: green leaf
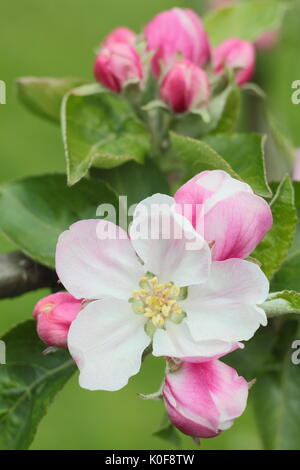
(282, 303)
(223, 111)
(198, 156)
(245, 154)
(250, 362)
(35, 210)
(273, 249)
(245, 20)
(288, 275)
(167, 432)
(276, 396)
(230, 101)
(281, 141)
(28, 384)
(135, 181)
(100, 129)
(43, 95)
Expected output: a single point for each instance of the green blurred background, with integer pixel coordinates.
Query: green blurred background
(58, 38)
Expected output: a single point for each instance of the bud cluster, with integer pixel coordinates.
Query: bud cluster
(173, 50)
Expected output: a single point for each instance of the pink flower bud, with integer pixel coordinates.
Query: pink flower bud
(121, 34)
(237, 54)
(268, 40)
(118, 64)
(176, 31)
(203, 399)
(185, 86)
(54, 315)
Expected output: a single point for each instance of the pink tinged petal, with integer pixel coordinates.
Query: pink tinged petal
(231, 348)
(90, 267)
(177, 341)
(121, 34)
(237, 54)
(54, 315)
(117, 64)
(167, 243)
(206, 189)
(204, 399)
(267, 40)
(226, 307)
(176, 31)
(226, 212)
(237, 224)
(107, 341)
(185, 86)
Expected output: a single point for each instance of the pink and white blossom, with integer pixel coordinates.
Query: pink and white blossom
(185, 86)
(54, 315)
(174, 32)
(237, 54)
(225, 212)
(203, 399)
(118, 64)
(153, 290)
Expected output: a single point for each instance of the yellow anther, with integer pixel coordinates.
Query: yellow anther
(165, 310)
(158, 320)
(149, 313)
(174, 291)
(157, 302)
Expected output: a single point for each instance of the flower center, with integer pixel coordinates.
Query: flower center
(158, 302)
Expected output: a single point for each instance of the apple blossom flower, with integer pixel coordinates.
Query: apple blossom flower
(203, 399)
(225, 212)
(54, 315)
(152, 289)
(237, 54)
(117, 65)
(173, 32)
(121, 34)
(185, 86)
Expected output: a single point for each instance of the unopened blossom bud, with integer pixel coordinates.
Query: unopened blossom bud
(185, 86)
(238, 55)
(267, 40)
(203, 399)
(176, 32)
(226, 212)
(54, 315)
(121, 34)
(118, 64)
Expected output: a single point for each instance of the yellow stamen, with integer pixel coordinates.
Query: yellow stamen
(157, 302)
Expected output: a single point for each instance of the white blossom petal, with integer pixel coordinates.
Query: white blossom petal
(168, 245)
(92, 268)
(176, 341)
(226, 307)
(107, 341)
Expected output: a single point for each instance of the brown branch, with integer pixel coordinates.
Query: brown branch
(20, 274)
